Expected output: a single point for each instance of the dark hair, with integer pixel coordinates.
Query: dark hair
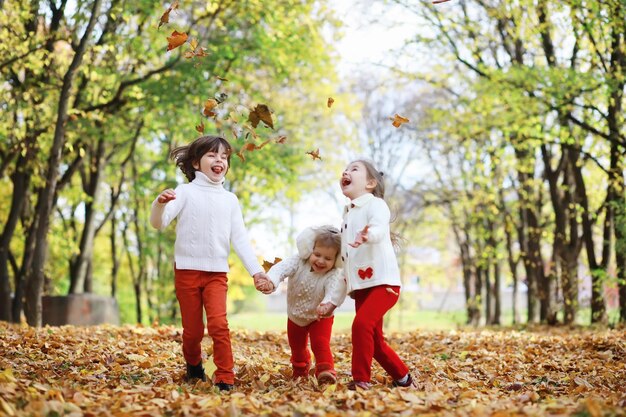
(374, 174)
(188, 155)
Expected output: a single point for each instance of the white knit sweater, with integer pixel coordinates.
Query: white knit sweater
(306, 289)
(209, 220)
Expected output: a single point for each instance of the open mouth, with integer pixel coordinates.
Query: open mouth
(217, 169)
(345, 182)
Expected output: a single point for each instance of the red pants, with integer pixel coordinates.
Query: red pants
(195, 291)
(298, 336)
(367, 334)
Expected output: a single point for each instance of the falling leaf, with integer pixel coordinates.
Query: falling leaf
(398, 120)
(330, 102)
(200, 127)
(221, 78)
(176, 40)
(390, 290)
(209, 105)
(439, 1)
(165, 18)
(195, 51)
(314, 154)
(261, 113)
(221, 97)
(267, 264)
(281, 139)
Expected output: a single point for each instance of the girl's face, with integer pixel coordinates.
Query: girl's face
(354, 182)
(213, 164)
(322, 258)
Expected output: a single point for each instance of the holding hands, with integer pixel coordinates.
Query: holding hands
(166, 196)
(262, 283)
(325, 309)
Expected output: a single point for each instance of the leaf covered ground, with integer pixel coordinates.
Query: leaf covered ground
(138, 371)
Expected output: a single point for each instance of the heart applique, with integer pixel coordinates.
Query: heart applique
(365, 273)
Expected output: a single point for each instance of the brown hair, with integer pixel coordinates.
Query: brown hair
(189, 155)
(328, 236)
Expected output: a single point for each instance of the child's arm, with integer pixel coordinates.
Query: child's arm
(163, 213)
(241, 241)
(283, 270)
(335, 291)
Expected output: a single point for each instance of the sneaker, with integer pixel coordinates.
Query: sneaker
(195, 372)
(354, 385)
(409, 383)
(223, 386)
(326, 377)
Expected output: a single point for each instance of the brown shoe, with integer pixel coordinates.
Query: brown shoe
(357, 385)
(327, 377)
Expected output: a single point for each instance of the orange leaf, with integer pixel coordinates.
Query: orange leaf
(315, 154)
(165, 18)
(261, 113)
(209, 105)
(330, 102)
(176, 40)
(398, 120)
(267, 264)
(281, 139)
(200, 127)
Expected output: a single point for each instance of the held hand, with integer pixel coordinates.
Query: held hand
(325, 310)
(361, 237)
(166, 196)
(262, 283)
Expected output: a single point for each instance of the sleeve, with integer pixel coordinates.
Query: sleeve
(283, 270)
(378, 217)
(241, 241)
(335, 288)
(162, 214)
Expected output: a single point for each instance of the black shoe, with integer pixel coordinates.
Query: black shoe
(223, 386)
(195, 372)
(409, 383)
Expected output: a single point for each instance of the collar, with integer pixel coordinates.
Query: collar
(362, 200)
(204, 181)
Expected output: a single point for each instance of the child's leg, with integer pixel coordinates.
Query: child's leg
(320, 344)
(371, 306)
(298, 337)
(188, 293)
(214, 297)
(383, 353)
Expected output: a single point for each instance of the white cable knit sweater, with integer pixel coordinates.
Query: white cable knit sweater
(209, 220)
(306, 289)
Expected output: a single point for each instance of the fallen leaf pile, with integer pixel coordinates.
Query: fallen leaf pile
(138, 371)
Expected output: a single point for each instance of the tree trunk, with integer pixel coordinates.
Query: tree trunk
(21, 182)
(79, 269)
(34, 285)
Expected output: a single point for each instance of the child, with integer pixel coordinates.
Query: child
(372, 274)
(315, 288)
(209, 220)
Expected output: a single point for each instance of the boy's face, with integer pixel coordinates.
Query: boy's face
(322, 259)
(213, 164)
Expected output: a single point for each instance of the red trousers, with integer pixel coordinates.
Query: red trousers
(298, 336)
(197, 291)
(367, 333)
